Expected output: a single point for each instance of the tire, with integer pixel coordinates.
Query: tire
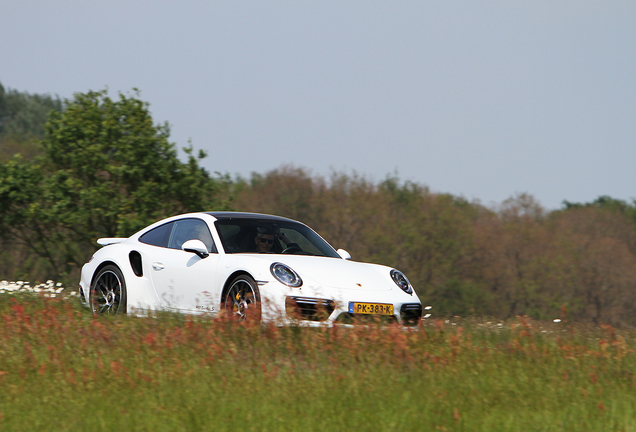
(243, 299)
(108, 293)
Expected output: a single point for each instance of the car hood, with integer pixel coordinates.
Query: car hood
(334, 272)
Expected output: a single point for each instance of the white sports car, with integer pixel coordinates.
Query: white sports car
(247, 265)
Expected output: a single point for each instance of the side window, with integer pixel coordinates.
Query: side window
(229, 236)
(158, 236)
(188, 229)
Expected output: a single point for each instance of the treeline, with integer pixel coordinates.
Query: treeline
(106, 170)
(22, 119)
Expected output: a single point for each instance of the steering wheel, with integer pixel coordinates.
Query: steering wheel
(291, 249)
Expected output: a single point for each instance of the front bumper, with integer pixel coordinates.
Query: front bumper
(328, 311)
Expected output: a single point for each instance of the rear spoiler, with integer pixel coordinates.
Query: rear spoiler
(110, 240)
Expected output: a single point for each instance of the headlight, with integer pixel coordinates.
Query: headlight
(401, 281)
(285, 275)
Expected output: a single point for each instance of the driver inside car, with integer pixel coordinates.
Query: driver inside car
(264, 240)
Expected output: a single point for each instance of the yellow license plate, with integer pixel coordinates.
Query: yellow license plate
(371, 308)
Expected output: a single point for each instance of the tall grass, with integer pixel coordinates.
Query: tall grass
(62, 369)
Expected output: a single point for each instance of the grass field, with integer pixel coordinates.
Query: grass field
(61, 369)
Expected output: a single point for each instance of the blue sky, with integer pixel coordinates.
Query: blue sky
(478, 99)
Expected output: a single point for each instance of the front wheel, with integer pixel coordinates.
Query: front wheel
(243, 300)
(108, 293)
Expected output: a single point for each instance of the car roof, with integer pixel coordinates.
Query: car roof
(243, 215)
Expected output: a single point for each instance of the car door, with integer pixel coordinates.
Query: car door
(183, 280)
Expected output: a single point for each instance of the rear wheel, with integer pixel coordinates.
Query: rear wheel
(243, 300)
(108, 294)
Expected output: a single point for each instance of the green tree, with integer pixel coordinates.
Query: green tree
(106, 171)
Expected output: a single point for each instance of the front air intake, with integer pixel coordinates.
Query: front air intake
(410, 314)
(309, 309)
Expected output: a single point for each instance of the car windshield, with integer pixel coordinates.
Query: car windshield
(244, 235)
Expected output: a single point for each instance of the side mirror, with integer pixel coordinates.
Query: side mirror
(344, 254)
(196, 246)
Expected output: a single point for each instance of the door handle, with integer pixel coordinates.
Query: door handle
(157, 266)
